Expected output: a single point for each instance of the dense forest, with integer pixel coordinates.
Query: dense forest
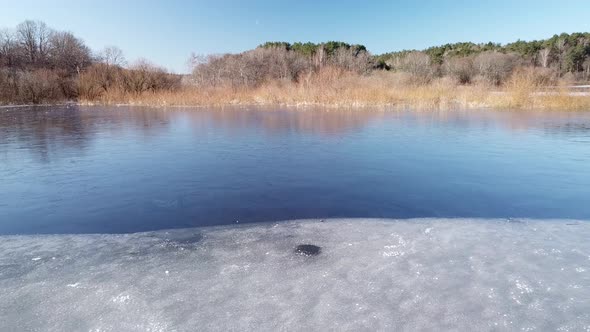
(39, 64)
(565, 53)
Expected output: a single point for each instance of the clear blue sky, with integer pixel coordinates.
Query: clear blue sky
(166, 32)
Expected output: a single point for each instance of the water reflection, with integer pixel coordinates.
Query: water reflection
(43, 131)
(119, 169)
(308, 121)
(47, 132)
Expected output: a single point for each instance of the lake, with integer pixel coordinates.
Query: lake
(71, 169)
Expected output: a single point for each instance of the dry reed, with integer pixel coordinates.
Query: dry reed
(336, 88)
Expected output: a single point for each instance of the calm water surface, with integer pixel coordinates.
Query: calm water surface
(115, 170)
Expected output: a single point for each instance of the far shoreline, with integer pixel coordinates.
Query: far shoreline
(492, 100)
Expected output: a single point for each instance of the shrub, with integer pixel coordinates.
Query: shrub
(418, 65)
(536, 77)
(41, 85)
(460, 69)
(97, 80)
(144, 76)
(494, 67)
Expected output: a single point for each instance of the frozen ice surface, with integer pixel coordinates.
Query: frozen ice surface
(423, 274)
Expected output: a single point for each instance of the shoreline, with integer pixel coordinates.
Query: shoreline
(176, 233)
(359, 97)
(302, 106)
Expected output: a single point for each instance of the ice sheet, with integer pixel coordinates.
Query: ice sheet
(423, 274)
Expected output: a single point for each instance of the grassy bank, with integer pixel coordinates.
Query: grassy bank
(332, 88)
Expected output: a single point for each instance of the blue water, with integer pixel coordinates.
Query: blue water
(118, 170)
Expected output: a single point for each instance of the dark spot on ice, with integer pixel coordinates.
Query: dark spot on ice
(308, 250)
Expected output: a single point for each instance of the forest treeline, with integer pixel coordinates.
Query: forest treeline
(565, 56)
(39, 64)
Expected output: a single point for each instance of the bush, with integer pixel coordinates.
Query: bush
(418, 65)
(97, 80)
(494, 67)
(38, 86)
(101, 79)
(460, 69)
(143, 77)
(536, 77)
(352, 60)
(7, 86)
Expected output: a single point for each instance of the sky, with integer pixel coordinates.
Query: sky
(167, 32)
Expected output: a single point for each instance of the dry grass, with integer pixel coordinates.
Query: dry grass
(334, 87)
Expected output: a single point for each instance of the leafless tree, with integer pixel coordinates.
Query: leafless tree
(10, 52)
(105, 75)
(561, 46)
(143, 76)
(351, 60)
(417, 64)
(201, 68)
(112, 56)
(461, 69)
(278, 63)
(586, 66)
(249, 68)
(544, 57)
(196, 59)
(34, 37)
(319, 57)
(38, 86)
(68, 52)
(494, 67)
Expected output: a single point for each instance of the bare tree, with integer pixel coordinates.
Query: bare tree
(461, 69)
(143, 76)
(416, 64)
(68, 52)
(249, 68)
(494, 67)
(10, 52)
(544, 57)
(112, 56)
(195, 60)
(105, 75)
(34, 37)
(319, 57)
(561, 46)
(586, 66)
(350, 59)
(38, 86)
